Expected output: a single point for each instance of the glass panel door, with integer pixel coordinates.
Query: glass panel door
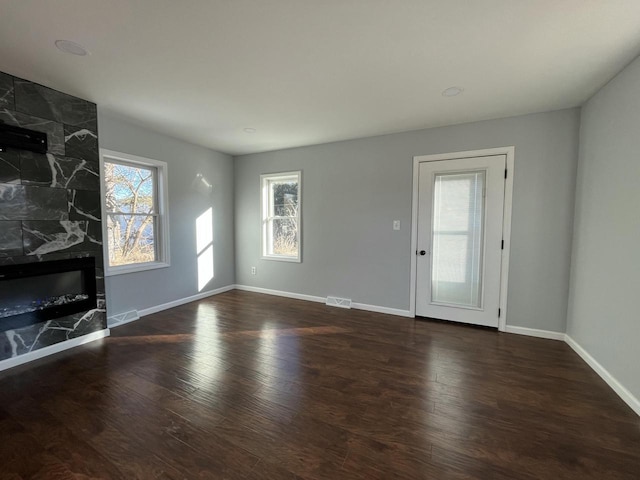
(458, 235)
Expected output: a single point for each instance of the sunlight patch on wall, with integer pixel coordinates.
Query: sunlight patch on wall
(204, 248)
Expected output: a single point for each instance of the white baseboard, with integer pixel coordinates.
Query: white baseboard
(280, 293)
(52, 349)
(182, 301)
(312, 298)
(378, 309)
(534, 332)
(617, 387)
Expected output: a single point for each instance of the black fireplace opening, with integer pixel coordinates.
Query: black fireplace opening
(36, 292)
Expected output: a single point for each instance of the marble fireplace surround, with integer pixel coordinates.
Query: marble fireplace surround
(50, 204)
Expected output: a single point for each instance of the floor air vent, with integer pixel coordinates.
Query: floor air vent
(122, 318)
(339, 302)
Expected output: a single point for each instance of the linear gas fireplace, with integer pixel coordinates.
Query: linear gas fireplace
(36, 292)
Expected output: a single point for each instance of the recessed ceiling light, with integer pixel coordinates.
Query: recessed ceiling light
(249, 130)
(67, 46)
(452, 91)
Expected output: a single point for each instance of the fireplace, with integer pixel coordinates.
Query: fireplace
(51, 265)
(36, 292)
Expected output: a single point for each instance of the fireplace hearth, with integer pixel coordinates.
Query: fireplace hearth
(37, 292)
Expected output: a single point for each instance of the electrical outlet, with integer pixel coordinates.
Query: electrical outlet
(396, 224)
(253, 270)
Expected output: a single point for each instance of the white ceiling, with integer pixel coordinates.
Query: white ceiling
(304, 72)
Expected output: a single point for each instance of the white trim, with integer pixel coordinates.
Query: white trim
(413, 275)
(617, 387)
(133, 268)
(313, 298)
(535, 332)
(506, 222)
(280, 293)
(282, 258)
(162, 215)
(375, 308)
(182, 301)
(264, 206)
(53, 349)
(506, 236)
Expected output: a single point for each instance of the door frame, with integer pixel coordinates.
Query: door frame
(509, 152)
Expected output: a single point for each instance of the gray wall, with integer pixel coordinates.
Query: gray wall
(353, 190)
(603, 313)
(147, 289)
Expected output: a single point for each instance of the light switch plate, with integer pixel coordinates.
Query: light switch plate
(396, 224)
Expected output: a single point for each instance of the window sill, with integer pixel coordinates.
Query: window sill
(139, 267)
(281, 259)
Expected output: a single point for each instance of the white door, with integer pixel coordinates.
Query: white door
(459, 249)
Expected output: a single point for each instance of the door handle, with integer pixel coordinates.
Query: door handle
(422, 252)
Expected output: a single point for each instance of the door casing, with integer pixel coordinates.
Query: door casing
(506, 223)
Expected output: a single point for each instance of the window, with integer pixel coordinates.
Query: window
(135, 213)
(281, 206)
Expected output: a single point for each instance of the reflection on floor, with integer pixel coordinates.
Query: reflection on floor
(243, 385)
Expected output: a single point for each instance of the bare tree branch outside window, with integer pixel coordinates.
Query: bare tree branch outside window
(131, 213)
(285, 228)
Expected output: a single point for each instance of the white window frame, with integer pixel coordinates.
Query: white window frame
(162, 201)
(265, 202)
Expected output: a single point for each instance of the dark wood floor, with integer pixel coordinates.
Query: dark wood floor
(244, 385)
